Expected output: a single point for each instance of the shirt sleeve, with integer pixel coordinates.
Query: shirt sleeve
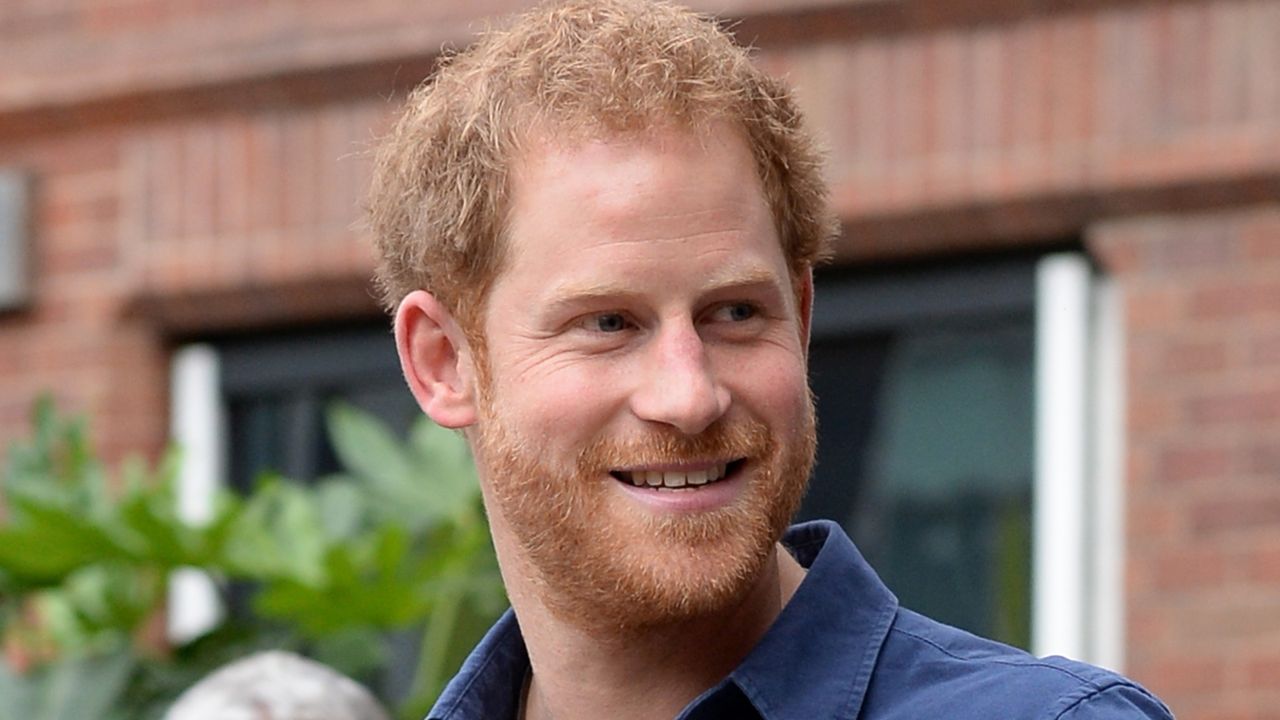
(1117, 702)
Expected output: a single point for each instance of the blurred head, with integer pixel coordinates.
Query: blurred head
(276, 686)
(586, 69)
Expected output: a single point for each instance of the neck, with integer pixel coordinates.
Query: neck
(578, 673)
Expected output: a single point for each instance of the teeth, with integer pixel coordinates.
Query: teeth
(674, 480)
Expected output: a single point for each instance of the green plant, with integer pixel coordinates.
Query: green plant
(398, 543)
(71, 689)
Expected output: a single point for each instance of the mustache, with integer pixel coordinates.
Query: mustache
(722, 441)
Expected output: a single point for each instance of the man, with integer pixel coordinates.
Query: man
(597, 230)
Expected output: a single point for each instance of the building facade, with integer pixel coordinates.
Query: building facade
(188, 173)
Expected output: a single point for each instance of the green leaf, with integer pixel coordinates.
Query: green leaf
(31, 558)
(342, 507)
(72, 688)
(86, 688)
(395, 486)
(109, 601)
(366, 447)
(446, 465)
(278, 534)
(399, 538)
(357, 651)
(366, 587)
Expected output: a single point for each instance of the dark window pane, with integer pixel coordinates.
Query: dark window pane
(278, 387)
(926, 441)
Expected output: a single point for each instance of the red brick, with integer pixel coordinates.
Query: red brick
(1198, 246)
(1232, 619)
(1148, 628)
(1151, 413)
(115, 16)
(163, 193)
(265, 186)
(1236, 515)
(1264, 457)
(1237, 299)
(1153, 308)
(1195, 462)
(907, 100)
(76, 197)
(233, 175)
(1154, 522)
(1264, 92)
(301, 161)
(1229, 64)
(1236, 407)
(1186, 60)
(1264, 672)
(1184, 570)
(1265, 349)
(1194, 357)
(198, 181)
(1262, 241)
(1180, 675)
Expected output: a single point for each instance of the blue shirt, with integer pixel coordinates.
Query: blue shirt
(842, 648)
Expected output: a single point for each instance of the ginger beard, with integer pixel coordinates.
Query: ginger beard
(601, 562)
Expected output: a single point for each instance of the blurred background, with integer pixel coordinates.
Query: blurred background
(1046, 354)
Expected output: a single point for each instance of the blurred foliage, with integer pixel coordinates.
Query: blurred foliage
(397, 544)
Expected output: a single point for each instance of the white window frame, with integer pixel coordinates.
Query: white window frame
(1078, 497)
(197, 418)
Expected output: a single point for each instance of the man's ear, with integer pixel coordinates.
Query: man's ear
(436, 360)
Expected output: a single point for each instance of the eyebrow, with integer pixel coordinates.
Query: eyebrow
(576, 294)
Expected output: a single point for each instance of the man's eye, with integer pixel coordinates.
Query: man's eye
(739, 312)
(609, 323)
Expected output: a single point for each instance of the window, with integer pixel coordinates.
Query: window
(954, 402)
(275, 390)
(15, 283)
(924, 381)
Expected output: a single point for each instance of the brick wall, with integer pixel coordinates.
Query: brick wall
(1203, 295)
(75, 341)
(198, 167)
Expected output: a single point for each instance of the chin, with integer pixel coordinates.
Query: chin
(600, 560)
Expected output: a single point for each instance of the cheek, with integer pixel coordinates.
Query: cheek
(775, 376)
(562, 405)
(775, 389)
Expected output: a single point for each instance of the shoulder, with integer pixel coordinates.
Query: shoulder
(927, 669)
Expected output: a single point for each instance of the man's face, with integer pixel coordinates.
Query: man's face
(645, 427)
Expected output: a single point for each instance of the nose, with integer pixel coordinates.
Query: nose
(677, 386)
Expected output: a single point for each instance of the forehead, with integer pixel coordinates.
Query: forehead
(663, 185)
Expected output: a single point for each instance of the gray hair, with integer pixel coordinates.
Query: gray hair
(276, 686)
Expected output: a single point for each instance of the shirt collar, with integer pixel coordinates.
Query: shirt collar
(817, 658)
(489, 683)
(815, 661)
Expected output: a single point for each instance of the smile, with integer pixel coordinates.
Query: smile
(677, 479)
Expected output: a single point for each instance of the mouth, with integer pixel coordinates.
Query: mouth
(689, 478)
